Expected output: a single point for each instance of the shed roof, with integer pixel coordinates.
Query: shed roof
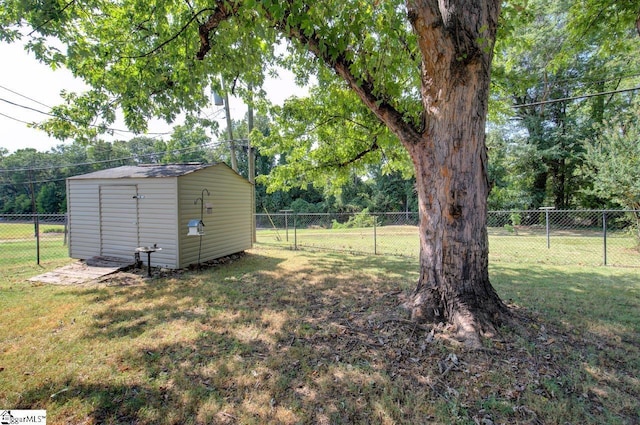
(144, 171)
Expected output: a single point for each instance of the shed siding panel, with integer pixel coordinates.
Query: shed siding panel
(157, 212)
(227, 227)
(156, 217)
(83, 206)
(118, 220)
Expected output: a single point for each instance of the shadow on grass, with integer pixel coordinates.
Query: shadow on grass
(253, 341)
(319, 338)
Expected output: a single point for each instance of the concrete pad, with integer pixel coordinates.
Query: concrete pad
(82, 272)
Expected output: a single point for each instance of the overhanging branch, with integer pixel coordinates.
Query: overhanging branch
(360, 155)
(365, 89)
(223, 11)
(341, 164)
(170, 39)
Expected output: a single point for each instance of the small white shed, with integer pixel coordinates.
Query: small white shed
(112, 212)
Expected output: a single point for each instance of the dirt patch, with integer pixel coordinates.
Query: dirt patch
(118, 272)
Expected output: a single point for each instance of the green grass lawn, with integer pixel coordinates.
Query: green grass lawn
(288, 337)
(9, 231)
(18, 245)
(52, 249)
(523, 247)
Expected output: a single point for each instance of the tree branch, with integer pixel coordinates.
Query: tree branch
(42, 25)
(374, 147)
(223, 11)
(332, 118)
(170, 39)
(365, 89)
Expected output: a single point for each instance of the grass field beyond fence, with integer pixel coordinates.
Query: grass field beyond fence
(18, 243)
(528, 245)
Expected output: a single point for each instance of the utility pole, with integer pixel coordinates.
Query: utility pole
(251, 164)
(250, 158)
(232, 143)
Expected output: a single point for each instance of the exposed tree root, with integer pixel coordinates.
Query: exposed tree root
(470, 322)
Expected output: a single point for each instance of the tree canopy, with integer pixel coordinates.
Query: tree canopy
(145, 60)
(613, 160)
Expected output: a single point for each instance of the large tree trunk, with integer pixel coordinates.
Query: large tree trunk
(455, 41)
(450, 160)
(454, 282)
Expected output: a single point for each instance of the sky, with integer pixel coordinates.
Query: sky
(26, 84)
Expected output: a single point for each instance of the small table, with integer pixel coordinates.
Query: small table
(148, 250)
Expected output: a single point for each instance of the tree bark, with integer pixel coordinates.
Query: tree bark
(454, 281)
(450, 160)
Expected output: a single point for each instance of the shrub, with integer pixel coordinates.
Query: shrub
(361, 219)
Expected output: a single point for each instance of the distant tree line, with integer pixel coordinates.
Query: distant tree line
(597, 169)
(44, 173)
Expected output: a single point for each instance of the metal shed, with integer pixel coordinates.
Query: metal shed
(113, 212)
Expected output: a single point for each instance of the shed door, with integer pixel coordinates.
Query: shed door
(118, 221)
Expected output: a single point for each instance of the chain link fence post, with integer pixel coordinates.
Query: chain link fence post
(546, 217)
(604, 236)
(375, 241)
(33, 237)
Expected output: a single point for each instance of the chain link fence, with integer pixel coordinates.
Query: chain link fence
(563, 237)
(32, 238)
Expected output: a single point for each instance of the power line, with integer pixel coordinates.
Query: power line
(73, 122)
(35, 182)
(577, 81)
(580, 79)
(24, 96)
(566, 99)
(15, 119)
(211, 144)
(26, 107)
(123, 159)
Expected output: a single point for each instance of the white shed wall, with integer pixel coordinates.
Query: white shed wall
(157, 214)
(228, 227)
(83, 212)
